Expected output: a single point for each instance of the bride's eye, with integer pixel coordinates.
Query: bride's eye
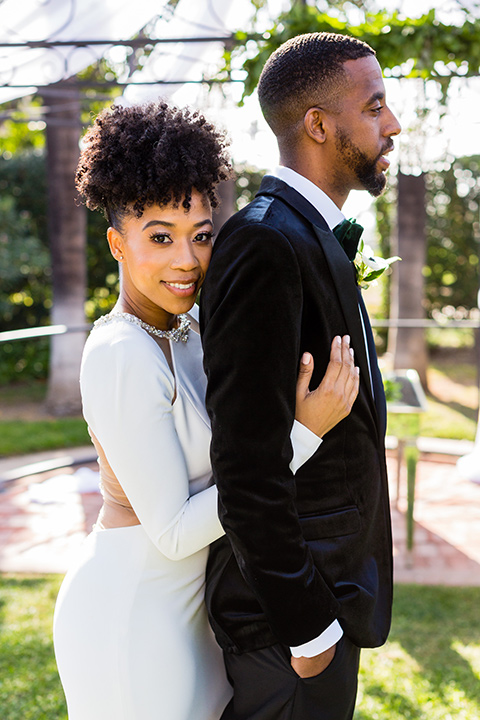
(160, 238)
(203, 237)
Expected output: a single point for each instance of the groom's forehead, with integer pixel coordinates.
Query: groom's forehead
(364, 79)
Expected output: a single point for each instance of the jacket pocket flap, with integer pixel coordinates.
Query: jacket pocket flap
(333, 524)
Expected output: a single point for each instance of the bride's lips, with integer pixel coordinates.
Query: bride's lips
(183, 288)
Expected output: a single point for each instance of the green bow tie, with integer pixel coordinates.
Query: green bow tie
(348, 234)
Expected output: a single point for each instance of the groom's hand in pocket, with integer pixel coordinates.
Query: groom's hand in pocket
(310, 667)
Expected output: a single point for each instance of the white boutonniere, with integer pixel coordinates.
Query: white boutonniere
(368, 266)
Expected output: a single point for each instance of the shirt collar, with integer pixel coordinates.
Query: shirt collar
(311, 192)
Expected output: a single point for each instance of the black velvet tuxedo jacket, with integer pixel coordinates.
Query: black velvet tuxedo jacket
(300, 550)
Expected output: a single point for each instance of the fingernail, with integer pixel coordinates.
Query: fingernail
(358, 370)
(347, 339)
(351, 352)
(338, 339)
(306, 358)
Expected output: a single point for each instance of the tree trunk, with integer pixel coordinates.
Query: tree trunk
(226, 207)
(67, 237)
(407, 344)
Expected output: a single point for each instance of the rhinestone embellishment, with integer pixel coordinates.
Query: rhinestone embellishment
(177, 334)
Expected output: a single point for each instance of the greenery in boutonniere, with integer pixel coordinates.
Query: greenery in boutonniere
(369, 267)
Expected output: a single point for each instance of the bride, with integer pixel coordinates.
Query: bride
(131, 634)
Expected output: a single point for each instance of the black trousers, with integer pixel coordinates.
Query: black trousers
(265, 686)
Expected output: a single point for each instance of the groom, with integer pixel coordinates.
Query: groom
(303, 578)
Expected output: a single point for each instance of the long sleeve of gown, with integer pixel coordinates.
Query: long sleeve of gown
(127, 392)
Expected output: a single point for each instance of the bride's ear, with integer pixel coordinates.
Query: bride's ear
(116, 243)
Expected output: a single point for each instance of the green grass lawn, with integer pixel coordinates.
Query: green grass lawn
(24, 428)
(430, 667)
(445, 420)
(428, 670)
(25, 436)
(29, 684)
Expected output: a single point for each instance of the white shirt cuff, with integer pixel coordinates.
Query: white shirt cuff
(326, 640)
(304, 444)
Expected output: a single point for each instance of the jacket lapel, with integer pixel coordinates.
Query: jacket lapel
(340, 267)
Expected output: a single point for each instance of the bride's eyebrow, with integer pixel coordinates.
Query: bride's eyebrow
(167, 224)
(150, 223)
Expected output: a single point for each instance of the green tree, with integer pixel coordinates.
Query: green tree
(25, 265)
(452, 269)
(406, 47)
(25, 262)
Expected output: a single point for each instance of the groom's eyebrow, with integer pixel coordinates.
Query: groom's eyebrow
(379, 95)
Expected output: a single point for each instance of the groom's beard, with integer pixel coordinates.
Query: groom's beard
(365, 168)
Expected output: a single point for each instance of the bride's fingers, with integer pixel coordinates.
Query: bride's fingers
(349, 377)
(335, 365)
(304, 375)
(352, 374)
(346, 350)
(341, 362)
(355, 385)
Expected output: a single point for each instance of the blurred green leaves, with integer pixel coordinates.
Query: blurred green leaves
(420, 47)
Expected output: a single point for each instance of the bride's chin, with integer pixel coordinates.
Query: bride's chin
(178, 308)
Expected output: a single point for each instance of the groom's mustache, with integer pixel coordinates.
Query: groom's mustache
(388, 147)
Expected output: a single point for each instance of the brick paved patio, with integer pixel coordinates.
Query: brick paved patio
(43, 537)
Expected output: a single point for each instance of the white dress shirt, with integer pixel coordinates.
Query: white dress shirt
(333, 217)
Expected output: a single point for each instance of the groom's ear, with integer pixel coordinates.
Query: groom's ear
(115, 242)
(315, 124)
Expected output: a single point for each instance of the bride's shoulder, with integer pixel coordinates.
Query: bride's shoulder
(116, 346)
(112, 334)
(122, 364)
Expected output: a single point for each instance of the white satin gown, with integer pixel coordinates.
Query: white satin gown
(131, 634)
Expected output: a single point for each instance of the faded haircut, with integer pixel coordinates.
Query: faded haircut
(306, 71)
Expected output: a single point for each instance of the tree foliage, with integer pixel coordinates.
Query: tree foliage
(25, 295)
(452, 270)
(453, 237)
(25, 269)
(406, 47)
(24, 288)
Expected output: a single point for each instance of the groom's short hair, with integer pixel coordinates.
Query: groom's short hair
(306, 71)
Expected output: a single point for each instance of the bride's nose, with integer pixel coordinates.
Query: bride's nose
(185, 257)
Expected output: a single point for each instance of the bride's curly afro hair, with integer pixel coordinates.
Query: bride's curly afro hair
(149, 154)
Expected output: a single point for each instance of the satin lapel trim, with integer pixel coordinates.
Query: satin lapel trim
(340, 267)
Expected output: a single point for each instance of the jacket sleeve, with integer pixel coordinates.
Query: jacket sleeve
(251, 316)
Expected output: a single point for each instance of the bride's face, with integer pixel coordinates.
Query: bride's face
(164, 255)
